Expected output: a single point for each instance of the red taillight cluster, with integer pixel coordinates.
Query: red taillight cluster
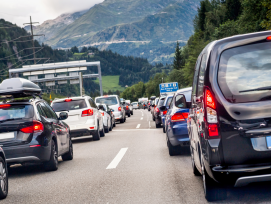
(5, 106)
(88, 112)
(127, 107)
(36, 127)
(102, 113)
(177, 117)
(68, 100)
(165, 112)
(119, 109)
(157, 110)
(211, 115)
(268, 38)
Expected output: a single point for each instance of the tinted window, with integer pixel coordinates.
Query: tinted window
(195, 81)
(111, 100)
(168, 101)
(41, 111)
(47, 111)
(53, 114)
(92, 104)
(71, 105)
(180, 101)
(244, 69)
(161, 102)
(16, 111)
(201, 75)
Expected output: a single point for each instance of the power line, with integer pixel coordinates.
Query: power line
(21, 51)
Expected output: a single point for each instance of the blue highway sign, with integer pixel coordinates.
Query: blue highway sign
(169, 87)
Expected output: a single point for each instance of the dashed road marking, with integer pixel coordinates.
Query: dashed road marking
(141, 118)
(138, 126)
(117, 159)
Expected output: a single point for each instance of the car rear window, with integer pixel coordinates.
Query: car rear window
(70, 105)
(16, 112)
(169, 101)
(112, 100)
(243, 71)
(161, 102)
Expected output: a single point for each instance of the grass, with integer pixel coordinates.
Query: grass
(111, 83)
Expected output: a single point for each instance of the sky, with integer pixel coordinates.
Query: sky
(19, 11)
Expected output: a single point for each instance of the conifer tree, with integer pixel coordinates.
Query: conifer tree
(178, 61)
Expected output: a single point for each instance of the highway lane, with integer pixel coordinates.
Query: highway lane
(128, 165)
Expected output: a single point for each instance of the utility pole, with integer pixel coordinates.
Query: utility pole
(32, 34)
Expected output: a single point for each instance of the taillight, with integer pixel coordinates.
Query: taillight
(5, 106)
(165, 112)
(68, 100)
(210, 99)
(119, 109)
(88, 112)
(127, 108)
(177, 117)
(213, 130)
(102, 113)
(157, 110)
(268, 38)
(36, 127)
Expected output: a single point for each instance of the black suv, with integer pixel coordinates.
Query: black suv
(30, 131)
(230, 117)
(157, 112)
(3, 175)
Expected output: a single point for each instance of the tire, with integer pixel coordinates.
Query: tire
(124, 118)
(106, 129)
(129, 115)
(132, 113)
(173, 151)
(102, 133)
(52, 164)
(114, 125)
(194, 168)
(69, 155)
(111, 126)
(212, 190)
(164, 129)
(4, 179)
(96, 135)
(121, 120)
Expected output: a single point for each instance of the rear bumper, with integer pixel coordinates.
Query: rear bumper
(178, 134)
(25, 153)
(89, 124)
(118, 116)
(82, 132)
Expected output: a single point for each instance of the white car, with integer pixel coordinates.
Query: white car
(106, 118)
(135, 105)
(84, 118)
(113, 101)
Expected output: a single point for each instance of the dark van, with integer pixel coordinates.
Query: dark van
(230, 115)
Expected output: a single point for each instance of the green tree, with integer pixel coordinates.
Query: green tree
(233, 9)
(74, 49)
(178, 59)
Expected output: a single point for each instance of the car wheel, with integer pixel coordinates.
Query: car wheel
(121, 120)
(96, 135)
(102, 133)
(172, 150)
(114, 125)
(194, 168)
(111, 126)
(132, 113)
(129, 115)
(164, 129)
(52, 164)
(69, 154)
(3, 179)
(106, 129)
(212, 190)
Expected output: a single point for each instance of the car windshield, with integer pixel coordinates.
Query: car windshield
(69, 105)
(112, 100)
(245, 72)
(16, 112)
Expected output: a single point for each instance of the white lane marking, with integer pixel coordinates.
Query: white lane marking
(117, 159)
(138, 126)
(149, 124)
(141, 118)
(125, 130)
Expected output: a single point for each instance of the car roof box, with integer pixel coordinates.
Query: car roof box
(18, 87)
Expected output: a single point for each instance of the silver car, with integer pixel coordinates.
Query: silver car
(113, 101)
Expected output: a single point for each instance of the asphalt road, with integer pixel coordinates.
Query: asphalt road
(131, 164)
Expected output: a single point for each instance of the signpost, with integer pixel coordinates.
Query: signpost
(168, 88)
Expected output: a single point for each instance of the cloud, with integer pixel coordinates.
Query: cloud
(18, 11)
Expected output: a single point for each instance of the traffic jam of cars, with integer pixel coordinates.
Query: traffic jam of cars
(223, 119)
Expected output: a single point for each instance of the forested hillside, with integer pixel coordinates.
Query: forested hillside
(16, 51)
(215, 19)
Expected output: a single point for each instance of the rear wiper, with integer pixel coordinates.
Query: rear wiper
(1, 121)
(258, 89)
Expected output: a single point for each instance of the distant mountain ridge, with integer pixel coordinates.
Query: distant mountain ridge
(115, 21)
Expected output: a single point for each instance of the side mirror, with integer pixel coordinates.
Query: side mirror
(63, 116)
(112, 110)
(163, 108)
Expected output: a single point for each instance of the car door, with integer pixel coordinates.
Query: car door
(56, 126)
(192, 124)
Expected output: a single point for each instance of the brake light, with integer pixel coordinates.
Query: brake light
(35, 146)
(5, 106)
(210, 99)
(213, 130)
(127, 107)
(88, 112)
(119, 109)
(102, 113)
(36, 127)
(68, 100)
(157, 110)
(165, 112)
(268, 38)
(177, 117)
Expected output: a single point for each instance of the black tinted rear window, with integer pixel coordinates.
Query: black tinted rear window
(16, 112)
(71, 105)
(245, 69)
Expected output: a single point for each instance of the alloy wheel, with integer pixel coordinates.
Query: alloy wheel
(3, 177)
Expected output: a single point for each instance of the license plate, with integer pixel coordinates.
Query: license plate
(8, 135)
(268, 142)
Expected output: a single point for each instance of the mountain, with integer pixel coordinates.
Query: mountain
(135, 22)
